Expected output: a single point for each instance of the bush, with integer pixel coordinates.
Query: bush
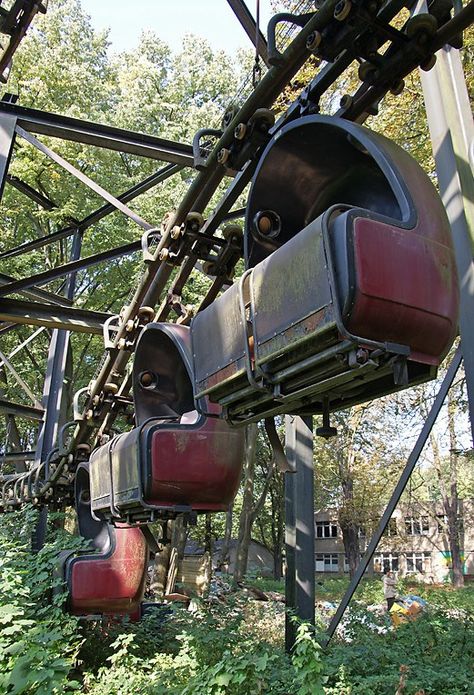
(437, 649)
(38, 642)
(229, 648)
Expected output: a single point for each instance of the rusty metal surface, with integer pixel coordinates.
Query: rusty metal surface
(218, 336)
(288, 287)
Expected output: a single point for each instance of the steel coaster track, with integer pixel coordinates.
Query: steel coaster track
(178, 244)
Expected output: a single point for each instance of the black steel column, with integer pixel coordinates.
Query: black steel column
(299, 524)
(53, 396)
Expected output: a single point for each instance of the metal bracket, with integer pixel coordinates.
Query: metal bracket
(150, 234)
(200, 161)
(111, 324)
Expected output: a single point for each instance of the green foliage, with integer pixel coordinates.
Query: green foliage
(437, 649)
(227, 648)
(38, 642)
(308, 662)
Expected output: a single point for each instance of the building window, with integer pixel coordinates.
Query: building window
(442, 521)
(327, 562)
(391, 528)
(418, 562)
(417, 525)
(326, 529)
(386, 561)
(443, 527)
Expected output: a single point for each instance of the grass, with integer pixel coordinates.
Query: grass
(370, 591)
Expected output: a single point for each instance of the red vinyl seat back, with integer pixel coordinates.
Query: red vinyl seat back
(111, 583)
(111, 580)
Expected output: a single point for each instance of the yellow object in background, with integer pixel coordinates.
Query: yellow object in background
(404, 610)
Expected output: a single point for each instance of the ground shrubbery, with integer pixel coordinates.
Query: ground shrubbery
(39, 643)
(226, 647)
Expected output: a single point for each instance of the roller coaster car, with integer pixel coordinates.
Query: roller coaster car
(351, 290)
(111, 580)
(176, 459)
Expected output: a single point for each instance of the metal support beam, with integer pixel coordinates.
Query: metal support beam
(98, 190)
(28, 246)
(21, 410)
(54, 396)
(94, 217)
(31, 192)
(140, 188)
(68, 268)
(452, 135)
(299, 525)
(5, 361)
(36, 314)
(24, 344)
(18, 456)
(99, 135)
(36, 293)
(14, 24)
(7, 140)
(397, 493)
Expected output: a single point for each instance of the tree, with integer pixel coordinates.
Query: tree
(251, 505)
(269, 528)
(141, 89)
(355, 471)
(443, 479)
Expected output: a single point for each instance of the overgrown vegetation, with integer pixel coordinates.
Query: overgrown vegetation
(233, 644)
(227, 646)
(39, 643)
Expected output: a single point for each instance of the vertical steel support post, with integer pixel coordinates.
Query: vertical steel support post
(7, 139)
(299, 525)
(452, 137)
(53, 391)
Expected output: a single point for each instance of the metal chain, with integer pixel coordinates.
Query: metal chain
(257, 70)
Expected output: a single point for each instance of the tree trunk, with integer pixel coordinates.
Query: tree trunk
(350, 538)
(177, 532)
(223, 560)
(348, 522)
(160, 571)
(278, 524)
(277, 562)
(208, 535)
(455, 546)
(246, 517)
(179, 536)
(449, 494)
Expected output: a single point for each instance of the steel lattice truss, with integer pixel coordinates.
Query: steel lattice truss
(337, 33)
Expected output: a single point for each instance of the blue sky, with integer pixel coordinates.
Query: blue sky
(171, 20)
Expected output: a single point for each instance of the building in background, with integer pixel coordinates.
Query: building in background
(415, 543)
